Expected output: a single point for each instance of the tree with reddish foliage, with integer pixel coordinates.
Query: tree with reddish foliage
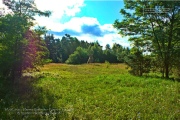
(20, 47)
(35, 51)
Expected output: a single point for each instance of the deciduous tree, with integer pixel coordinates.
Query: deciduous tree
(160, 28)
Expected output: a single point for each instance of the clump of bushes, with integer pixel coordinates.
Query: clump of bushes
(78, 57)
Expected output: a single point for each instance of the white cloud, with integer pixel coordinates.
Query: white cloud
(110, 37)
(51, 24)
(76, 23)
(4, 9)
(108, 27)
(113, 38)
(59, 9)
(1, 3)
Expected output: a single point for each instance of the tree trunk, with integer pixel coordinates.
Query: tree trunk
(163, 72)
(167, 69)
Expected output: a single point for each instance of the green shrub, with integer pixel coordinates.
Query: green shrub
(78, 57)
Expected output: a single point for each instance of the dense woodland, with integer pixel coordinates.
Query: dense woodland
(73, 51)
(155, 39)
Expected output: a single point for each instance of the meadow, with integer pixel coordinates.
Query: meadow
(89, 92)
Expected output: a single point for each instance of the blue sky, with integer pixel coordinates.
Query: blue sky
(89, 20)
(105, 11)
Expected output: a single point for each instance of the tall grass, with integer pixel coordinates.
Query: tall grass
(91, 91)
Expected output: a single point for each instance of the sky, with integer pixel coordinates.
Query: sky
(89, 20)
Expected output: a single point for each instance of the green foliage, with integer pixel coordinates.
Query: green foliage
(69, 45)
(21, 47)
(46, 61)
(13, 44)
(157, 33)
(123, 54)
(25, 8)
(61, 49)
(35, 51)
(138, 62)
(109, 55)
(78, 57)
(176, 72)
(97, 52)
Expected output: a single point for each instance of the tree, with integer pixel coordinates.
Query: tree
(17, 37)
(25, 8)
(96, 52)
(109, 55)
(160, 28)
(54, 47)
(78, 57)
(13, 42)
(35, 51)
(138, 62)
(68, 45)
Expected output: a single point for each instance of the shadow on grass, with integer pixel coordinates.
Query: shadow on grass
(23, 100)
(160, 77)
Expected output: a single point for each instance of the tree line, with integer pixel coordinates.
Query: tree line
(70, 50)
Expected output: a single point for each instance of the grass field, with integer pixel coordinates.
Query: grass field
(90, 92)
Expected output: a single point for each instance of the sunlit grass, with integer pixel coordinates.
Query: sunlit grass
(99, 91)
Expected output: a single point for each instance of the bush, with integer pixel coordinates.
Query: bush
(46, 61)
(78, 57)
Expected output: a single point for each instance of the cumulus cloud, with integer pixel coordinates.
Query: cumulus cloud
(1, 4)
(4, 9)
(60, 7)
(91, 29)
(108, 28)
(75, 23)
(113, 38)
(84, 25)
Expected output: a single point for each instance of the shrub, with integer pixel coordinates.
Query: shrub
(78, 57)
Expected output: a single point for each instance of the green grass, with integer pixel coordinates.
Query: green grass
(91, 91)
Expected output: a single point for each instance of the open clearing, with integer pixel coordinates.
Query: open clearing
(92, 91)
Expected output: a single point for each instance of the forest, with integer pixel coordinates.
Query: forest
(70, 50)
(154, 55)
